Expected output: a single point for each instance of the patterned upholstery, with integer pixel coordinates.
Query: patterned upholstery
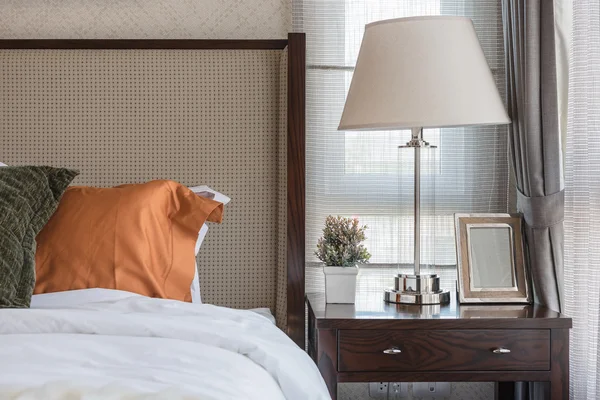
(209, 117)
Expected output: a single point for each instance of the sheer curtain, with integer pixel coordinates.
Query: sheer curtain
(582, 201)
(361, 174)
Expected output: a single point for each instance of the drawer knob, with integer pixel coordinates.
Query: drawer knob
(501, 350)
(392, 350)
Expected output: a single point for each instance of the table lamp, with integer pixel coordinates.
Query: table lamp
(416, 73)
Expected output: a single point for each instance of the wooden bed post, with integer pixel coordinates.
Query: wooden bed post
(296, 152)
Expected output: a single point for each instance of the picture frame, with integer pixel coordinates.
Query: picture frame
(490, 257)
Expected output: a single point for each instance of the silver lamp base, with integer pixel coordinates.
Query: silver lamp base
(417, 289)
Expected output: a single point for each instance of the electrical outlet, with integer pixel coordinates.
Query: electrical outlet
(378, 390)
(388, 390)
(431, 390)
(398, 390)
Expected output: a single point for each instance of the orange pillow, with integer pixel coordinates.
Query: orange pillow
(138, 238)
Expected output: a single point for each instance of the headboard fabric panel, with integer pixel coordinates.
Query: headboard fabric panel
(195, 116)
(281, 303)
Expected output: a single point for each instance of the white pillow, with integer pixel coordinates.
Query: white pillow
(221, 198)
(201, 235)
(195, 287)
(3, 165)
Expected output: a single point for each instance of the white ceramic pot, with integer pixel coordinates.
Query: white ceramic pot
(340, 284)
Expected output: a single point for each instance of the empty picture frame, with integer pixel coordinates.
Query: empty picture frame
(490, 259)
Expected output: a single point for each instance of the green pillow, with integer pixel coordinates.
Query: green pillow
(28, 198)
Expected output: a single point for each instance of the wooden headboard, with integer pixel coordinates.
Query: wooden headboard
(226, 113)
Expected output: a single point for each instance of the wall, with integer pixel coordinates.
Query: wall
(170, 19)
(135, 19)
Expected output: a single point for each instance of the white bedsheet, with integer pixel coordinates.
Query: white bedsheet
(108, 344)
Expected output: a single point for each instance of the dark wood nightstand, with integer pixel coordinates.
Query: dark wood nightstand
(372, 341)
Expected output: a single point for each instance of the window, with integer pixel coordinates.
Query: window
(361, 173)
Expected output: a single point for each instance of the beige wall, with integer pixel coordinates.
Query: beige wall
(133, 19)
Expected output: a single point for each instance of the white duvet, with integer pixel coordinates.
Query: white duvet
(106, 344)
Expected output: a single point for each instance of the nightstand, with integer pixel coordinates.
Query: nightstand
(373, 341)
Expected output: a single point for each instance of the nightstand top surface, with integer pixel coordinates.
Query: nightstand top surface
(371, 312)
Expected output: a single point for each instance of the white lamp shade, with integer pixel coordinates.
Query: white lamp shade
(421, 72)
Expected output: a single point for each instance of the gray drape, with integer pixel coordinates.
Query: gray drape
(535, 139)
(535, 148)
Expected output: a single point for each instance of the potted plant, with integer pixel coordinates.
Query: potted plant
(340, 249)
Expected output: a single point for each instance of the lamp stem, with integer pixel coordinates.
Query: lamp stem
(417, 289)
(417, 136)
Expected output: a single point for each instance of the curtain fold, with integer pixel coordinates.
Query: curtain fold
(535, 140)
(535, 147)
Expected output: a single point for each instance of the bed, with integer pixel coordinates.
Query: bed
(229, 113)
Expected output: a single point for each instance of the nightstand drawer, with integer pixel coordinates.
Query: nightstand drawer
(450, 350)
